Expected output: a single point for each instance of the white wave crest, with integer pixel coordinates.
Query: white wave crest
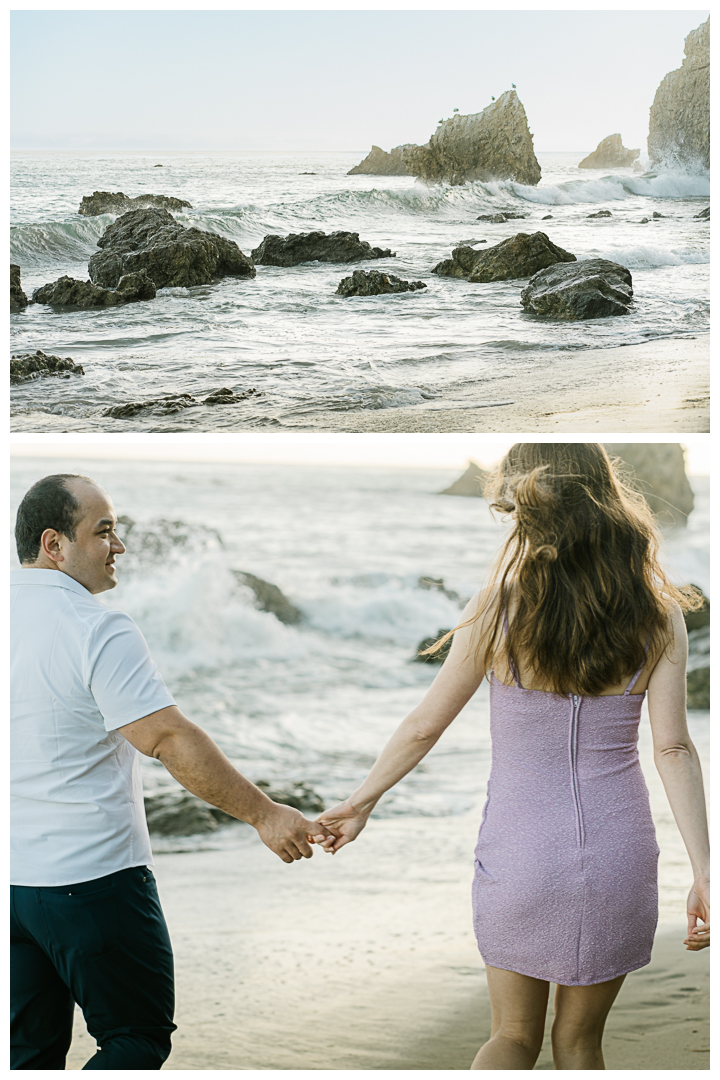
(648, 256)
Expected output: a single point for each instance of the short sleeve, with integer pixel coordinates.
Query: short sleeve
(123, 677)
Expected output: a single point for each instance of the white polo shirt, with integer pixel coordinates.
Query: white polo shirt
(78, 672)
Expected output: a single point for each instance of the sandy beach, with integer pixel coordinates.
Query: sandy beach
(343, 962)
(661, 385)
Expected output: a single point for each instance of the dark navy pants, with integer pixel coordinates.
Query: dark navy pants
(103, 944)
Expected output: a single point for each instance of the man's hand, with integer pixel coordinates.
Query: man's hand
(286, 832)
(344, 822)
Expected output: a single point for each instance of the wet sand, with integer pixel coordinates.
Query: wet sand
(366, 960)
(662, 385)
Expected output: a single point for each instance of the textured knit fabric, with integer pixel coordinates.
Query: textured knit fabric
(565, 884)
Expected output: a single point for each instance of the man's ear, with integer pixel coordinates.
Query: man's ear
(51, 545)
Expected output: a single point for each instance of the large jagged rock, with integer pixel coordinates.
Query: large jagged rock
(679, 134)
(269, 597)
(18, 299)
(115, 202)
(658, 470)
(153, 240)
(68, 292)
(374, 283)
(494, 144)
(471, 483)
(34, 365)
(519, 256)
(173, 403)
(380, 163)
(337, 247)
(589, 289)
(609, 154)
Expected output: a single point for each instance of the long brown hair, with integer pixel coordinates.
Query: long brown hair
(578, 574)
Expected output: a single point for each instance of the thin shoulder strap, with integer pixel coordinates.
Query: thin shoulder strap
(511, 662)
(636, 676)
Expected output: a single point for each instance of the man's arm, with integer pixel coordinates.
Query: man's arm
(191, 756)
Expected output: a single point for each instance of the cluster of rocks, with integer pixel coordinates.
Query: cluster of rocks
(608, 154)
(179, 813)
(337, 247)
(517, 257)
(375, 283)
(174, 403)
(494, 144)
(115, 202)
(28, 366)
(69, 292)
(679, 134)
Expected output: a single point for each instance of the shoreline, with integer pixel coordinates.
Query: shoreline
(367, 960)
(655, 386)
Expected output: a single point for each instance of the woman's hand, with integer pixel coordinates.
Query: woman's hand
(345, 821)
(698, 909)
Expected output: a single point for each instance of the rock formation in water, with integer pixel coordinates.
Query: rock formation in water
(114, 202)
(173, 403)
(519, 256)
(601, 213)
(704, 215)
(18, 299)
(69, 292)
(374, 283)
(153, 240)
(658, 470)
(679, 134)
(337, 247)
(269, 597)
(494, 144)
(472, 481)
(179, 813)
(500, 217)
(590, 289)
(380, 163)
(609, 154)
(35, 365)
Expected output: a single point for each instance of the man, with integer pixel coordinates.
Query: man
(87, 926)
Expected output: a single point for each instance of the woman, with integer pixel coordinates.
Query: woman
(578, 623)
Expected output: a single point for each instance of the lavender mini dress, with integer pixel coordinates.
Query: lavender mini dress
(565, 885)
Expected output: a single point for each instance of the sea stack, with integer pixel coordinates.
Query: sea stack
(494, 144)
(609, 154)
(380, 163)
(679, 134)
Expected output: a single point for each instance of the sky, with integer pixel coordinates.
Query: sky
(330, 80)
(404, 450)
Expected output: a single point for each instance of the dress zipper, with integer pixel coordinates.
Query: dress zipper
(573, 769)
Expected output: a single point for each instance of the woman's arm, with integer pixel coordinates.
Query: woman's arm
(679, 767)
(454, 685)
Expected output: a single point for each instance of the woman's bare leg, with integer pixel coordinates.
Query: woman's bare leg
(519, 1005)
(577, 1031)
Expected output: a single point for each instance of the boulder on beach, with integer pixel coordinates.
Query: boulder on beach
(269, 597)
(608, 154)
(494, 144)
(519, 256)
(28, 366)
(374, 283)
(115, 202)
(588, 289)
(296, 248)
(679, 133)
(173, 403)
(500, 217)
(18, 299)
(471, 483)
(658, 471)
(153, 240)
(380, 163)
(69, 292)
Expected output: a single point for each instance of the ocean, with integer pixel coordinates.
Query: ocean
(316, 701)
(287, 335)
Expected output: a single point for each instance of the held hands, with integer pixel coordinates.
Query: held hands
(344, 822)
(698, 910)
(289, 834)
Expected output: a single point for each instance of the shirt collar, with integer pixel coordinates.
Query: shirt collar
(56, 578)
